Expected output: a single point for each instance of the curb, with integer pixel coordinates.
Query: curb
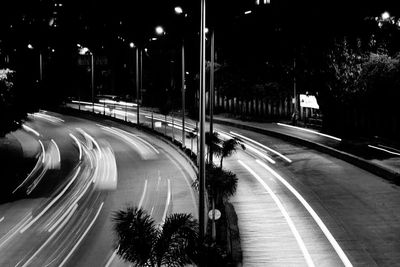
(386, 173)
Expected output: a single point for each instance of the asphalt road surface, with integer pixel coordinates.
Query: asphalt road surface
(85, 171)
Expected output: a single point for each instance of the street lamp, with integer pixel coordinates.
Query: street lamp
(30, 46)
(159, 30)
(178, 10)
(385, 15)
(84, 51)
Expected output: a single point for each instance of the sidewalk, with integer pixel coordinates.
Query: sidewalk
(371, 155)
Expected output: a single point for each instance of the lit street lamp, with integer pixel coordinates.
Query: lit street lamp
(85, 51)
(30, 46)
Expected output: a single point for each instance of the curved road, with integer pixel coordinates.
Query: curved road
(85, 171)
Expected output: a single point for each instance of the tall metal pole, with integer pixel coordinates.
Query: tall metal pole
(212, 55)
(202, 88)
(183, 93)
(295, 111)
(40, 66)
(137, 84)
(92, 78)
(141, 74)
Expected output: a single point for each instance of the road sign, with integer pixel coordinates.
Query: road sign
(308, 101)
(216, 216)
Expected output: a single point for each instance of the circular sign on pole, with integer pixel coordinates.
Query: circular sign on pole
(217, 214)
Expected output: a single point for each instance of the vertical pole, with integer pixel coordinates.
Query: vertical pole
(137, 84)
(92, 78)
(141, 75)
(295, 111)
(212, 55)
(202, 88)
(183, 93)
(40, 66)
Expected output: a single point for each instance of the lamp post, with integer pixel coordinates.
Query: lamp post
(30, 46)
(85, 51)
(202, 88)
(179, 11)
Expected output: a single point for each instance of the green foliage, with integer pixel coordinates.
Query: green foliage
(140, 241)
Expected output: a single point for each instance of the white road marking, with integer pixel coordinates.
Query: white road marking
(315, 216)
(111, 259)
(263, 146)
(83, 236)
(310, 131)
(285, 214)
(2, 219)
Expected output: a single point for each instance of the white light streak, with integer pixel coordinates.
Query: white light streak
(310, 131)
(263, 146)
(78, 144)
(58, 151)
(82, 237)
(143, 195)
(167, 204)
(285, 214)
(29, 129)
(315, 216)
(384, 150)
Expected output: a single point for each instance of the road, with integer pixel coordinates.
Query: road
(304, 208)
(85, 172)
(299, 207)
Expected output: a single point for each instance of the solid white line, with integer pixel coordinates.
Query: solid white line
(58, 150)
(384, 150)
(143, 194)
(310, 131)
(78, 144)
(52, 202)
(263, 146)
(285, 214)
(315, 216)
(29, 129)
(167, 204)
(83, 236)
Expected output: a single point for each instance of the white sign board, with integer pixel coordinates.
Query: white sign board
(158, 124)
(308, 101)
(217, 214)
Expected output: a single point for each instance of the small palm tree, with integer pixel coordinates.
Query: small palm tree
(140, 241)
(228, 148)
(213, 143)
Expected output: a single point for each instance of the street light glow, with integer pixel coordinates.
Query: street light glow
(131, 45)
(30, 46)
(178, 10)
(247, 12)
(206, 30)
(159, 30)
(385, 15)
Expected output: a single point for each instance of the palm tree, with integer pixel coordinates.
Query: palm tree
(229, 148)
(141, 241)
(213, 144)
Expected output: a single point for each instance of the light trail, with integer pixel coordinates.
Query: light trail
(82, 237)
(27, 263)
(52, 202)
(310, 131)
(143, 195)
(43, 151)
(78, 144)
(137, 137)
(58, 151)
(2, 219)
(47, 117)
(91, 139)
(285, 214)
(384, 150)
(167, 204)
(29, 129)
(249, 147)
(315, 216)
(263, 146)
